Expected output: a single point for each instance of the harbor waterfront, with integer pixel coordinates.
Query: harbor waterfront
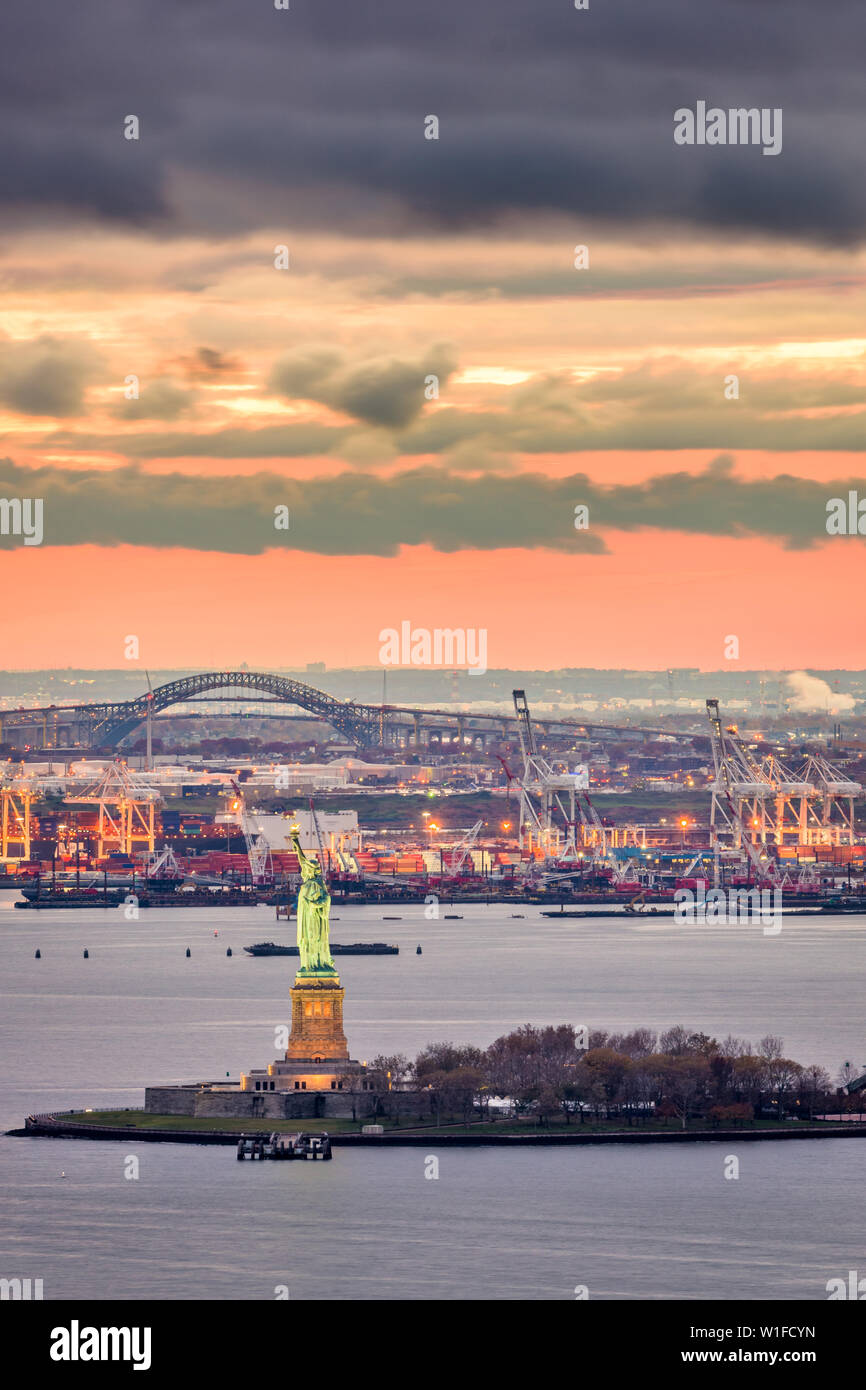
(146, 1011)
(433, 703)
(637, 1221)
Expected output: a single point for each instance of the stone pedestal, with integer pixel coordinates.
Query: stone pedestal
(317, 1019)
(317, 1057)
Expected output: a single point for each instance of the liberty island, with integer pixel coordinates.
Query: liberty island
(315, 1076)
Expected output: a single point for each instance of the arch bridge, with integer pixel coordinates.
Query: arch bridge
(110, 724)
(105, 725)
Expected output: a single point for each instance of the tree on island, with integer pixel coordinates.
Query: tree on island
(686, 1078)
(814, 1086)
(681, 1073)
(453, 1077)
(386, 1075)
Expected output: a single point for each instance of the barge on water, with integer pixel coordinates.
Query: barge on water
(357, 948)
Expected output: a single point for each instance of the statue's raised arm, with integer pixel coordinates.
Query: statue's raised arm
(308, 866)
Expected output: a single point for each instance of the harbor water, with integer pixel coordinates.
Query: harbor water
(653, 1222)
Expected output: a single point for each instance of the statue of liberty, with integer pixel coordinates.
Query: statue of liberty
(314, 907)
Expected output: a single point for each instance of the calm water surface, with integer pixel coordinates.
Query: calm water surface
(627, 1222)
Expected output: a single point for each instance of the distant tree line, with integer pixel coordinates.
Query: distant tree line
(637, 1077)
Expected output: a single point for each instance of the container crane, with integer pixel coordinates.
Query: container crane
(258, 849)
(737, 781)
(541, 780)
(126, 811)
(16, 821)
(834, 794)
(318, 831)
(462, 849)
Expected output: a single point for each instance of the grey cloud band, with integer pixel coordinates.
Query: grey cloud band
(360, 514)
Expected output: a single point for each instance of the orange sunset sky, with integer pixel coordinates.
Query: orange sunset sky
(304, 387)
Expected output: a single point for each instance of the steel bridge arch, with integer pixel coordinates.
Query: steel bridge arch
(113, 723)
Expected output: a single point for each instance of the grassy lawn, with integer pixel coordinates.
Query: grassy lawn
(140, 1120)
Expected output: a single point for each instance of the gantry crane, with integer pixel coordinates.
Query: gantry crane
(761, 803)
(462, 849)
(318, 831)
(540, 780)
(258, 849)
(833, 795)
(16, 829)
(126, 811)
(738, 782)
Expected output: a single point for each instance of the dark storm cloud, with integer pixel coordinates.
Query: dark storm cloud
(208, 364)
(159, 399)
(271, 441)
(314, 115)
(355, 514)
(661, 404)
(46, 376)
(389, 392)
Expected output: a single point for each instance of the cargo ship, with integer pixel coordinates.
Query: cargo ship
(358, 948)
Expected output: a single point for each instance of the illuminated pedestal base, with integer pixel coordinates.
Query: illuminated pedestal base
(317, 1019)
(317, 1057)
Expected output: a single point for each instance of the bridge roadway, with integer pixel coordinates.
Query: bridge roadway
(96, 725)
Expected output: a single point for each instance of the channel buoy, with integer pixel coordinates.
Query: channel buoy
(38, 955)
(418, 950)
(86, 954)
(229, 951)
(188, 953)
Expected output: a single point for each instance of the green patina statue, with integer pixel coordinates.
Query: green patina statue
(314, 907)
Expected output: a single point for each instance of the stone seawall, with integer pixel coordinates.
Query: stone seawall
(211, 1100)
(45, 1127)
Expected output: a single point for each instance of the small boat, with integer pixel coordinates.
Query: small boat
(453, 916)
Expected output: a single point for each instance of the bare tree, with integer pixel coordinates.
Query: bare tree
(815, 1085)
(384, 1076)
(781, 1077)
(686, 1078)
(675, 1041)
